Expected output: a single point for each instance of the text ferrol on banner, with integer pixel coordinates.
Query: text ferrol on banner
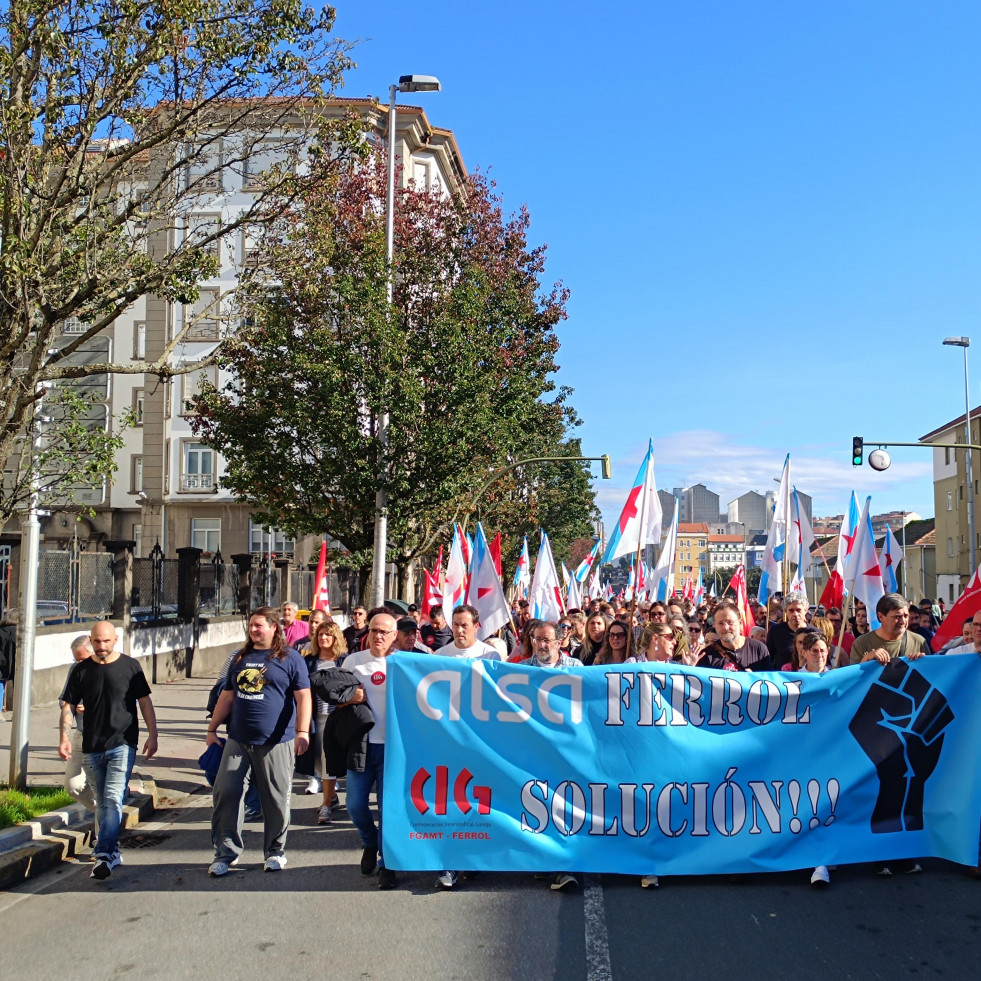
(655, 768)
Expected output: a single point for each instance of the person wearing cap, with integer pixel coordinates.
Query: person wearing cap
(407, 638)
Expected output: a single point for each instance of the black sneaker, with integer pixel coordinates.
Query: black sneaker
(101, 870)
(369, 860)
(387, 879)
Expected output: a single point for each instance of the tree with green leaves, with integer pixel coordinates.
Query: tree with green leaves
(114, 117)
(462, 359)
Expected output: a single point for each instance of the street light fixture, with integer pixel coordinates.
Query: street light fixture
(965, 342)
(406, 83)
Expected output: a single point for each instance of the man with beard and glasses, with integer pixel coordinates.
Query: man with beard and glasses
(732, 651)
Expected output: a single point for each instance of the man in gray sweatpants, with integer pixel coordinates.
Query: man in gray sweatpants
(267, 703)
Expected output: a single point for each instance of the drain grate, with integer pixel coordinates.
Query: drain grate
(145, 839)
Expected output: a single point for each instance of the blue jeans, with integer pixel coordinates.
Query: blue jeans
(358, 791)
(108, 774)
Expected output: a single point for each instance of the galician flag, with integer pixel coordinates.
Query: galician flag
(595, 590)
(486, 593)
(833, 593)
(662, 578)
(546, 591)
(522, 574)
(889, 560)
(582, 570)
(640, 520)
(801, 538)
(862, 574)
(776, 539)
(321, 589)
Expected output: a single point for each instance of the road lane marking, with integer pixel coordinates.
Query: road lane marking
(597, 942)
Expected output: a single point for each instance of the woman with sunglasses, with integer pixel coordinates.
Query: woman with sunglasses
(614, 649)
(657, 643)
(568, 644)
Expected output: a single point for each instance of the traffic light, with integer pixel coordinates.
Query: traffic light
(858, 449)
(607, 469)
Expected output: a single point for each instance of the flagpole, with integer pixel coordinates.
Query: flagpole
(844, 620)
(633, 595)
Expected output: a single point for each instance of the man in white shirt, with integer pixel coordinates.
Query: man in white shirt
(975, 646)
(466, 619)
(370, 667)
(465, 644)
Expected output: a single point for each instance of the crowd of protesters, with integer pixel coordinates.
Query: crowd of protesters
(308, 690)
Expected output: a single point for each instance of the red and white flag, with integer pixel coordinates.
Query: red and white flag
(968, 603)
(431, 595)
(862, 571)
(321, 589)
(455, 589)
(833, 593)
(486, 593)
(546, 590)
(738, 585)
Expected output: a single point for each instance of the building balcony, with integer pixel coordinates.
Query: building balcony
(197, 482)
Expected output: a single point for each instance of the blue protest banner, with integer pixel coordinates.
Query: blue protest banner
(656, 768)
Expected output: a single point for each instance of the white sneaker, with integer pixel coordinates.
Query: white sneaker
(275, 863)
(820, 877)
(313, 786)
(446, 880)
(324, 815)
(649, 882)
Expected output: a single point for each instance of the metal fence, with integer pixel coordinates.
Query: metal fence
(219, 587)
(154, 594)
(266, 585)
(73, 585)
(301, 587)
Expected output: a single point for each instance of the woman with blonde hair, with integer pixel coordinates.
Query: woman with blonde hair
(329, 645)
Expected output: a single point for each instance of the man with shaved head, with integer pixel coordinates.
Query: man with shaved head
(110, 685)
(370, 667)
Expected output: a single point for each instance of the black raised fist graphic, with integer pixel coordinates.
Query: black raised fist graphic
(900, 726)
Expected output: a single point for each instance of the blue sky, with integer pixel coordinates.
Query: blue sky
(767, 214)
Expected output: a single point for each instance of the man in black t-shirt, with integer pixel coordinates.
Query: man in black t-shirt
(110, 685)
(355, 633)
(437, 633)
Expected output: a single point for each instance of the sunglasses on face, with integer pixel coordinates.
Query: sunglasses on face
(617, 634)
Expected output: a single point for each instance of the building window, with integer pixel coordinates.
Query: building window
(201, 318)
(136, 474)
(191, 383)
(204, 167)
(264, 156)
(206, 534)
(138, 401)
(198, 467)
(202, 227)
(950, 547)
(138, 538)
(420, 175)
(139, 340)
(259, 540)
(947, 456)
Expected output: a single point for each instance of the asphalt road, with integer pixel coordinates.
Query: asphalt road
(161, 916)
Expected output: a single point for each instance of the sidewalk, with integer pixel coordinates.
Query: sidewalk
(164, 781)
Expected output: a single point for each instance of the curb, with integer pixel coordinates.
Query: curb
(28, 849)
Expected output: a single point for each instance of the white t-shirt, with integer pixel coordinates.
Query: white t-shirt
(478, 649)
(372, 672)
(963, 649)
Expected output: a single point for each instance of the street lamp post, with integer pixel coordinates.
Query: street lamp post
(965, 342)
(406, 83)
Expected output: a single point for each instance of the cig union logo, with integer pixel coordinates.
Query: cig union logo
(461, 791)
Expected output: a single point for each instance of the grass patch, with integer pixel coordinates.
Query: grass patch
(16, 806)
